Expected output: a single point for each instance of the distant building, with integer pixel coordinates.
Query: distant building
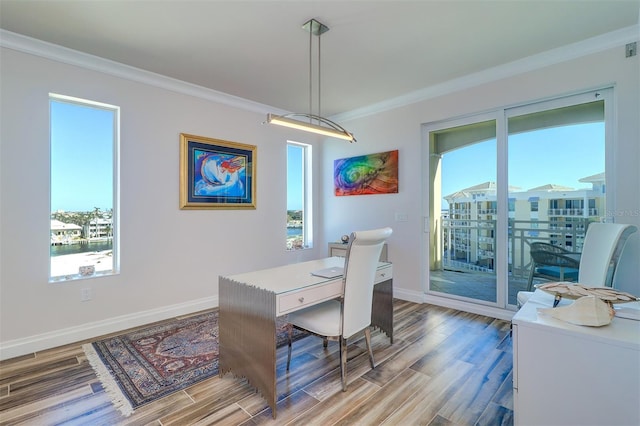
(550, 213)
(64, 233)
(99, 228)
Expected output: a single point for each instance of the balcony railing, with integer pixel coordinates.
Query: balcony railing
(572, 212)
(473, 253)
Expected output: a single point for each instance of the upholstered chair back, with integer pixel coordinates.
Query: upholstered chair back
(361, 263)
(601, 251)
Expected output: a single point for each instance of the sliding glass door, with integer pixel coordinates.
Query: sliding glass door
(556, 174)
(463, 189)
(500, 181)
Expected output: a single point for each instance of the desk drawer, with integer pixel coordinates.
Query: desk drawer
(306, 297)
(341, 252)
(384, 274)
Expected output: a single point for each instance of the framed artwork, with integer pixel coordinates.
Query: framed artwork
(366, 174)
(216, 174)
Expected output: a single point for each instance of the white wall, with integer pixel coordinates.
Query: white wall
(400, 129)
(171, 258)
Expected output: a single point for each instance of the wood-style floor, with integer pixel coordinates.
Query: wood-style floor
(445, 367)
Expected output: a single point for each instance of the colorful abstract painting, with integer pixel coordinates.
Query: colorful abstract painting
(216, 173)
(366, 174)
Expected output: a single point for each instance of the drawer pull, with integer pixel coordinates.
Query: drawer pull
(301, 299)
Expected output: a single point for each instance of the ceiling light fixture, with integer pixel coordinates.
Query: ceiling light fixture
(317, 123)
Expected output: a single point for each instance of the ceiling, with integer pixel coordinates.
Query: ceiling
(373, 52)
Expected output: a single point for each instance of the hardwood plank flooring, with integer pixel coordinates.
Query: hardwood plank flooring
(445, 367)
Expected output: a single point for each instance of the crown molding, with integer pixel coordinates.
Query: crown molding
(551, 57)
(68, 56)
(58, 53)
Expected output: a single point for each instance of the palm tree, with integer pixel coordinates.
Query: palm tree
(96, 215)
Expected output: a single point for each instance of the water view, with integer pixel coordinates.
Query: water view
(65, 249)
(295, 240)
(294, 232)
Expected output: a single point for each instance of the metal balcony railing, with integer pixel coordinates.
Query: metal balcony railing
(475, 252)
(572, 212)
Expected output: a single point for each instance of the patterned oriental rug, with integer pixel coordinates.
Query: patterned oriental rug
(142, 366)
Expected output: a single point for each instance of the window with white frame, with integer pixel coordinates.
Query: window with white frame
(299, 196)
(84, 139)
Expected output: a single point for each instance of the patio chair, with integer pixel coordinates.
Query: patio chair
(601, 251)
(553, 263)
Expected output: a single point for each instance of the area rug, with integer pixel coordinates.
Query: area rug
(142, 366)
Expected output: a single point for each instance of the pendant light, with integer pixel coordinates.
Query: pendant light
(314, 123)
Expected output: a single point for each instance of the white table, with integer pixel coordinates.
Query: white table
(250, 303)
(565, 374)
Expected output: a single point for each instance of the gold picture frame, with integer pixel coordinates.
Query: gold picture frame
(216, 174)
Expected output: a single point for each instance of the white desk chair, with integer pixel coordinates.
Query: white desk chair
(340, 320)
(601, 251)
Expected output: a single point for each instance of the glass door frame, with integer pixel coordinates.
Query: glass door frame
(431, 220)
(431, 160)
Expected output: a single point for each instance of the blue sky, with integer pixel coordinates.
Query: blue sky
(560, 155)
(81, 157)
(294, 178)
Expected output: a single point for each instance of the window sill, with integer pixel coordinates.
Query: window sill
(77, 277)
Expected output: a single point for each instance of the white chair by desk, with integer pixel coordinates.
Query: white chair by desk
(340, 320)
(601, 251)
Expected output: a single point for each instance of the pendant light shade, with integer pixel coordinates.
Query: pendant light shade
(314, 123)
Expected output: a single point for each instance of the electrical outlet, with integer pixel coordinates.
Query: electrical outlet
(631, 49)
(85, 294)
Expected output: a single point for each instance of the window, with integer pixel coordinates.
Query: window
(575, 204)
(84, 139)
(299, 212)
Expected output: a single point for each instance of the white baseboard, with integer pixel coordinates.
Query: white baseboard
(408, 295)
(473, 308)
(419, 297)
(39, 342)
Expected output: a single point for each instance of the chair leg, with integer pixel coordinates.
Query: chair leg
(367, 338)
(289, 353)
(343, 362)
(325, 342)
(531, 272)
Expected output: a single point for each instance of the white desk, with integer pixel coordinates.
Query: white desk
(250, 303)
(565, 374)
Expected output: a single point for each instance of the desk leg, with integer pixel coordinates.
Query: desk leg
(382, 310)
(247, 329)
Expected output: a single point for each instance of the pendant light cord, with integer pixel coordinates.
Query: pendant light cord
(319, 74)
(310, 73)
